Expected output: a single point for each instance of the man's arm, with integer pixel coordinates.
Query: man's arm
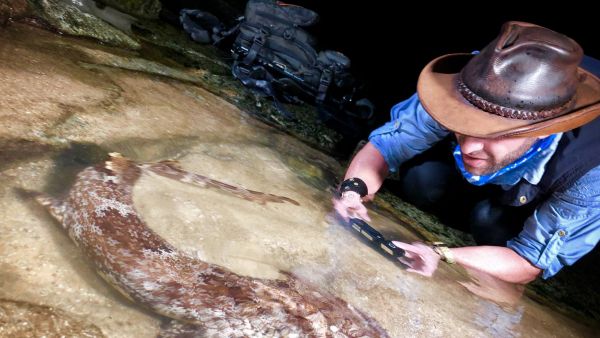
(561, 230)
(410, 131)
(500, 262)
(370, 166)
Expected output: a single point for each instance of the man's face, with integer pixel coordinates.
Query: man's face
(484, 156)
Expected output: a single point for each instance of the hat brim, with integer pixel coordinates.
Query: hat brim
(437, 89)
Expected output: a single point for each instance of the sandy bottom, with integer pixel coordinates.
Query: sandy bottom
(58, 116)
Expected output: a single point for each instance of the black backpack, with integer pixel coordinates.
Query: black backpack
(274, 54)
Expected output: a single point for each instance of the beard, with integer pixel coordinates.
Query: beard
(493, 164)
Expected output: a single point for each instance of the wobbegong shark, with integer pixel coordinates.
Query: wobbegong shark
(202, 299)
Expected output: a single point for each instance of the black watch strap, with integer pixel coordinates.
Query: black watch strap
(354, 184)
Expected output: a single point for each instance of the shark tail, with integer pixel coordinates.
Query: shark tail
(173, 170)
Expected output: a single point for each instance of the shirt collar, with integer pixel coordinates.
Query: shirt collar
(529, 166)
(535, 172)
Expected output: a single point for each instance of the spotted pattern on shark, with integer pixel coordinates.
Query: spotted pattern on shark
(203, 299)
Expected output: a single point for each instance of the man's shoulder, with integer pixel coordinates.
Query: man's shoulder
(410, 105)
(586, 187)
(592, 177)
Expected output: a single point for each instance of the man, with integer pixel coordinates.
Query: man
(523, 114)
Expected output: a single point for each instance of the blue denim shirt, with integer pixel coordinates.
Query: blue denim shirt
(561, 230)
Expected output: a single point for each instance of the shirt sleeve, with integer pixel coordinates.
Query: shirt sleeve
(410, 131)
(563, 228)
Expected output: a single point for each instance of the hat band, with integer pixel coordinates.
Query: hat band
(507, 112)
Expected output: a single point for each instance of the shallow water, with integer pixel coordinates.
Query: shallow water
(67, 102)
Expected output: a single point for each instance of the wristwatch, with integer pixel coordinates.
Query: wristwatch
(441, 249)
(354, 184)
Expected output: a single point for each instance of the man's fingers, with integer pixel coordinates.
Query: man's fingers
(344, 213)
(341, 209)
(345, 216)
(363, 214)
(406, 261)
(406, 246)
(350, 205)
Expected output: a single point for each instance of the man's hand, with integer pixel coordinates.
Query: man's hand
(419, 257)
(350, 205)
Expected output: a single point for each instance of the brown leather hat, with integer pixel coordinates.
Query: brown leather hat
(527, 82)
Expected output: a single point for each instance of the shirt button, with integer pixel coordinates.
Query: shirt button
(523, 199)
(396, 124)
(562, 233)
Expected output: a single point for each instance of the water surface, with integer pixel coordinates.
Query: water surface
(65, 105)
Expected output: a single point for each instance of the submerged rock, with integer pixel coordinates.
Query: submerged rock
(26, 320)
(11, 9)
(70, 19)
(66, 101)
(141, 8)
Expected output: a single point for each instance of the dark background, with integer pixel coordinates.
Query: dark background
(389, 44)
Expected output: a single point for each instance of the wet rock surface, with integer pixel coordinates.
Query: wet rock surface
(67, 102)
(21, 319)
(72, 17)
(142, 8)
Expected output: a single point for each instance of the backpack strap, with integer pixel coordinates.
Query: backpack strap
(324, 82)
(222, 34)
(257, 44)
(260, 80)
